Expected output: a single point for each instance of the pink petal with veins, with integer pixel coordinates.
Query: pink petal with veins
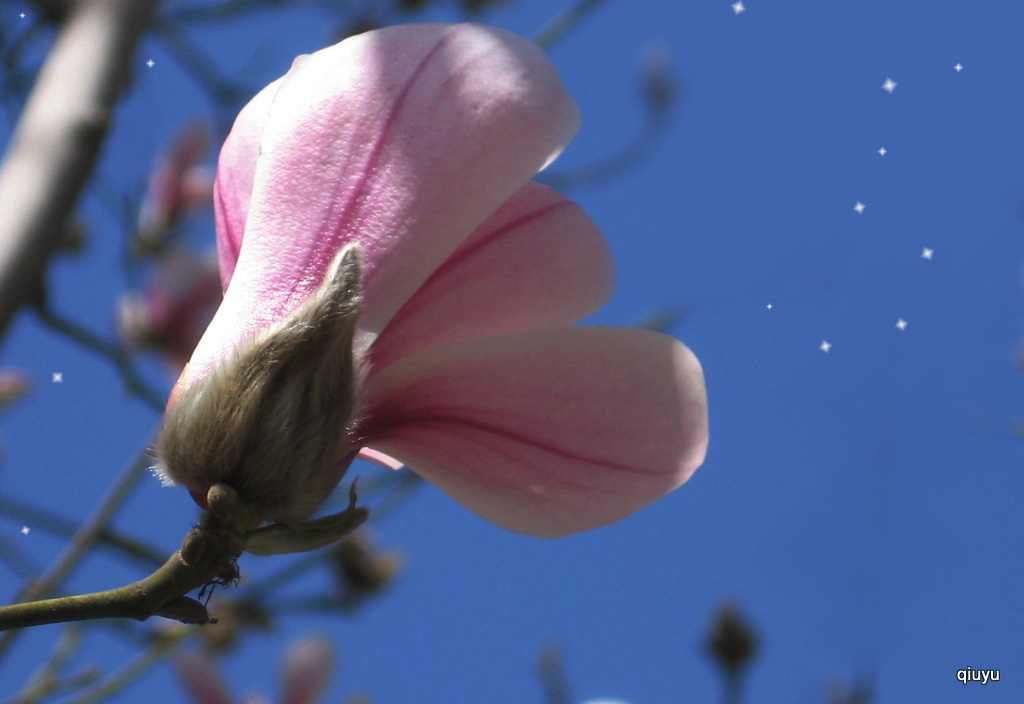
(235, 167)
(546, 432)
(539, 261)
(405, 140)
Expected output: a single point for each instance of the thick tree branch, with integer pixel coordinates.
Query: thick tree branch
(58, 138)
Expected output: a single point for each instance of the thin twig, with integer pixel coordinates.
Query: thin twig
(551, 670)
(400, 488)
(45, 680)
(232, 9)
(556, 27)
(225, 93)
(91, 529)
(17, 559)
(144, 555)
(83, 540)
(310, 604)
(166, 644)
(613, 165)
(733, 691)
(260, 589)
(109, 351)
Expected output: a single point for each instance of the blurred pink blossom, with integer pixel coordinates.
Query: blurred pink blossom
(13, 385)
(418, 143)
(170, 316)
(305, 672)
(178, 185)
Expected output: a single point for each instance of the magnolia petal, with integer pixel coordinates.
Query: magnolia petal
(546, 432)
(235, 169)
(539, 261)
(404, 140)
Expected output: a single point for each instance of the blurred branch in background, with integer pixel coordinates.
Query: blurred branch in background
(226, 94)
(860, 693)
(658, 91)
(560, 24)
(731, 645)
(551, 671)
(17, 559)
(143, 555)
(58, 137)
(48, 681)
(133, 380)
(168, 641)
(82, 541)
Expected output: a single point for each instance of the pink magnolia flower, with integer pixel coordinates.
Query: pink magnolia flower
(417, 143)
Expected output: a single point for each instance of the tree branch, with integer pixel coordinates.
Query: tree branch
(207, 555)
(58, 138)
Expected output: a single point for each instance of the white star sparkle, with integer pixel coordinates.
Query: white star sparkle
(889, 85)
(150, 63)
(24, 530)
(769, 306)
(825, 346)
(901, 324)
(737, 7)
(927, 253)
(58, 377)
(883, 151)
(958, 67)
(22, 15)
(859, 207)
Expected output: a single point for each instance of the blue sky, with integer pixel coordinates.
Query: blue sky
(861, 505)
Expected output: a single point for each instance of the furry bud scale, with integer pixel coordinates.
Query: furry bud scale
(270, 421)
